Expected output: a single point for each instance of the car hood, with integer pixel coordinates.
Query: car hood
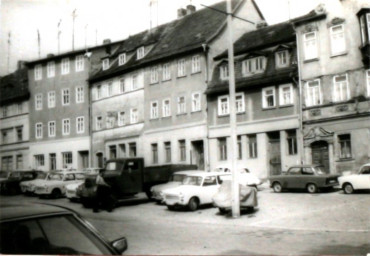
(180, 189)
(31, 182)
(51, 183)
(161, 187)
(74, 186)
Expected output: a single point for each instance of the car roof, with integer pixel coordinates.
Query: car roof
(368, 164)
(14, 211)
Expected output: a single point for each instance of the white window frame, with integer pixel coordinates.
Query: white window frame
(140, 52)
(337, 39)
(223, 104)
(80, 93)
(166, 107)
(281, 95)
(282, 59)
(38, 101)
(121, 59)
(105, 64)
(66, 126)
(51, 128)
(310, 46)
(64, 103)
(181, 106)
(254, 65)
(181, 69)
(109, 89)
(38, 130)
(121, 118)
(344, 93)
(196, 104)
(264, 97)
(50, 69)
(154, 110)
(239, 103)
(154, 75)
(134, 116)
(38, 72)
(80, 124)
(79, 63)
(312, 101)
(39, 160)
(65, 66)
(224, 72)
(368, 81)
(166, 72)
(195, 64)
(99, 123)
(67, 159)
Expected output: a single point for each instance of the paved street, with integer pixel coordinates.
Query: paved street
(288, 223)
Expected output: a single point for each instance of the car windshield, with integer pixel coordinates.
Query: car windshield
(319, 170)
(192, 180)
(41, 175)
(178, 177)
(55, 176)
(4, 174)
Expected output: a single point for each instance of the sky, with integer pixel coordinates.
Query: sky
(97, 20)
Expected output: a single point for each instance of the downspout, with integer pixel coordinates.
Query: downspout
(207, 160)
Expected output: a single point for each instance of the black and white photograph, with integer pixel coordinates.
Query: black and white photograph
(185, 127)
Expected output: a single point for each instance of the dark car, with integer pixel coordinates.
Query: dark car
(9, 180)
(308, 177)
(45, 229)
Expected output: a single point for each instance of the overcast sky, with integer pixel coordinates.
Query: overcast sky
(113, 19)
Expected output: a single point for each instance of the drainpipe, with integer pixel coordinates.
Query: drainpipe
(207, 160)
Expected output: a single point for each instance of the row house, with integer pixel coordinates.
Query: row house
(59, 108)
(14, 120)
(267, 102)
(335, 82)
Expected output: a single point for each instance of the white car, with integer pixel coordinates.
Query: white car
(28, 187)
(245, 176)
(71, 189)
(197, 189)
(55, 184)
(358, 181)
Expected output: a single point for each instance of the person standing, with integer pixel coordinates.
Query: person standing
(104, 198)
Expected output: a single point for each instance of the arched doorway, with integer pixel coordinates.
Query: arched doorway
(320, 154)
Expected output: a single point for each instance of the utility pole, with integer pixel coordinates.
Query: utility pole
(235, 203)
(73, 29)
(59, 32)
(86, 36)
(96, 36)
(39, 42)
(9, 43)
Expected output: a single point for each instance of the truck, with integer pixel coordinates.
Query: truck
(128, 177)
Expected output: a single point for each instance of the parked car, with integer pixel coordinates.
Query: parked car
(28, 187)
(245, 176)
(9, 183)
(247, 196)
(196, 189)
(175, 180)
(71, 189)
(55, 184)
(309, 177)
(44, 229)
(357, 181)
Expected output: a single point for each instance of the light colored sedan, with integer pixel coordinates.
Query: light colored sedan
(245, 176)
(28, 187)
(358, 181)
(196, 189)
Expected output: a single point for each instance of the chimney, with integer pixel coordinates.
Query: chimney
(181, 12)
(190, 9)
(106, 41)
(49, 55)
(21, 64)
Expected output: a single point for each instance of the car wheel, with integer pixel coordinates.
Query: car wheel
(348, 188)
(193, 204)
(222, 210)
(56, 193)
(311, 188)
(277, 187)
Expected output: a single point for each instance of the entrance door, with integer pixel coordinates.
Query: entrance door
(197, 154)
(320, 154)
(274, 153)
(84, 158)
(53, 161)
(99, 158)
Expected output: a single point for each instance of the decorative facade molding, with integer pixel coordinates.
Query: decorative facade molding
(317, 134)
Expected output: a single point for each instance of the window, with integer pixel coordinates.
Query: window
(51, 69)
(282, 59)
(154, 75)
(19, 162)
(38, 132)
(112, 152)
(79, 63)
(310, 45)
(140, 52)
(222, 148)
(66, 128)
(132, 149)
(181, 68)
(121, 59)
(51, 129)
(252, 145)
(268, 97)
(154, 109)
(7, 163)
(121, 118)
(239, 142)
(154, 153)
(134, 116)
(341, 88)
(99, 123)
(19, 130)
(67, 159)
(292, 142)
(195, 64)
(98, 92)
(80, 124)
(38, 72)
(79, 94)
(337, 40)
(224, 72)
(122, 85)
(314, 96)
(166, 108)
(5, 111)
(253, 65)
(223, 105)
(345, 146)
(167, 149)
(39, 160)
(109, 87)
(65, 97)
(51, 99)
(38, 101)
(105, 64)
(195, 102)
(110, 121)
(181, 105)
(5, 137)
(135, 82)
(65, 66)
(239, 100)
(182, 150)
(368, 82)
(286, 94)
(166, 72)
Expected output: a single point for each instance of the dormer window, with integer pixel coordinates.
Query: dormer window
(105, 64)
(140, 52)
(224, 72)
(122, 59)
(253, 65)
(282, 59)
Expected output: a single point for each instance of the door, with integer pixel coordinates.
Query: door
(209, 189)
(274, 153)
(131, 180)
(197, 154)
(100, 160)
(52, 161)
(363, 179)
(84, 159)
(320, 154)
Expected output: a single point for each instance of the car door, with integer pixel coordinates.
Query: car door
(363, 179)
(209, 189)
(292, 178)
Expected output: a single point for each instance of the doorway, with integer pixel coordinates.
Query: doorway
(274, 153)
(197, 154)
(320, 154)
(84, 159)
(100, 160)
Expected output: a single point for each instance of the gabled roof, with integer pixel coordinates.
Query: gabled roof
(14, 87)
